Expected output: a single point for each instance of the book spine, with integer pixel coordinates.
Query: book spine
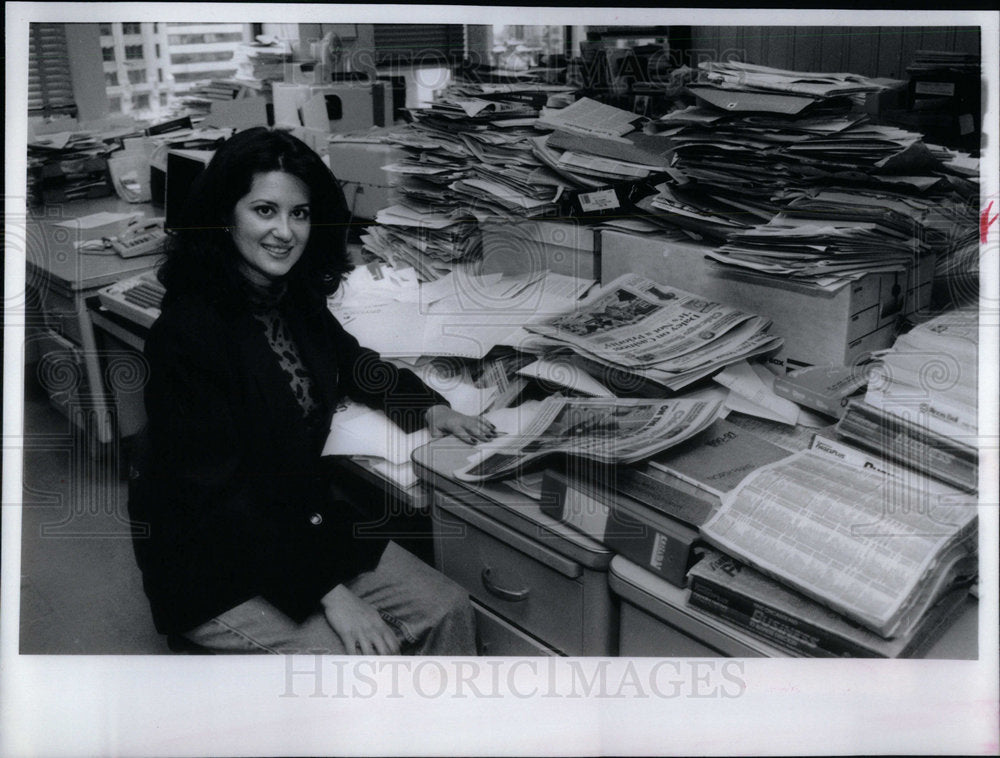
(663, 550)
(772, 624)
(678, 502)
(828, 404)
(916, 448)
(949, 419)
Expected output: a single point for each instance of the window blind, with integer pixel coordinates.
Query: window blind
(50, 84)
(418, 43)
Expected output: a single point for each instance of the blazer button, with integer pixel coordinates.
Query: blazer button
(316, 519)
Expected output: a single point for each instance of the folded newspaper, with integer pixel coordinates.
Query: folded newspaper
(660, 333)
(607, 431)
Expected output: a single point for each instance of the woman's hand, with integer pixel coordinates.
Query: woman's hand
(443, 420)
(358, 624)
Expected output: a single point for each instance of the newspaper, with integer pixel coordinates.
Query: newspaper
(637, 323)
(860, 541)
(607, 431)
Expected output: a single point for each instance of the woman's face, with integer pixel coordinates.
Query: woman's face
(270, 225)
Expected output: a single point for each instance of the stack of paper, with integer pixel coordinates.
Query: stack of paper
(930, 376)
(741, 75)
(422, 237)
(462, 334)
(823, 254)
(795, 179)
(470, 158)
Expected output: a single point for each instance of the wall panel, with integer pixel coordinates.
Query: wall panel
(861, 50)
(754, 44)
(890, 45)
(832, 52)
(808, 45)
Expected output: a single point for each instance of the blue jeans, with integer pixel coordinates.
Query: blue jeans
(430, 614)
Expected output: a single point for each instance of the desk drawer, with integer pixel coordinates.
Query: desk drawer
(497, 637)
(61, 313)
(643, 635)
(542, 593)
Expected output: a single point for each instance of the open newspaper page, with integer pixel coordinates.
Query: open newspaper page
(608, 431)
(863, 542)
(636, 323)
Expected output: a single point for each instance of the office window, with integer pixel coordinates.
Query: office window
(173, 67)
(430, 44)
(131, 27)
(115, 104)
(140, 101)
(518, 48)
(163, 98)
(105, 29)
(201, 39)
(108, 53)
(200, 76)
(214, 55)
(50, 86)
(111, 78)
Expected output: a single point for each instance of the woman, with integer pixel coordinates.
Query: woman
(245, 549)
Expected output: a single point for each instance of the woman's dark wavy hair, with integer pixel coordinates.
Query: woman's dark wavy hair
(201, 256)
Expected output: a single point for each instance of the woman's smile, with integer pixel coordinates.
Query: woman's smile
(271, 225)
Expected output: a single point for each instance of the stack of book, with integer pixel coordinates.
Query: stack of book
(921, 406)
(831, 527)
(198, 100)
(749, 600)
(816, 547)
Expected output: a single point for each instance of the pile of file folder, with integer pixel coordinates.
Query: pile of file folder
(469, 158)
(67, 166)
(792, 179)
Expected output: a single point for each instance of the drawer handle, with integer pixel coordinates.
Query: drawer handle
(513, 596)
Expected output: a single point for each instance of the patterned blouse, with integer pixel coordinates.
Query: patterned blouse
(266, 311)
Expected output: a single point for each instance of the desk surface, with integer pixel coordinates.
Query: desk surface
(54, 258)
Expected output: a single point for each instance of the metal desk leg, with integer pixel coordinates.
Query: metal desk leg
(102, 419)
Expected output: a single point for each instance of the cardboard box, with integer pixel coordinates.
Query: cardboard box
(358, 168)
(679, 264)
(287, 99)
(350, 107)
(528, 245)
(818, 327)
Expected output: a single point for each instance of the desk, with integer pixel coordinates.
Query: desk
(60, 279)
(539, 586)
(656, 620)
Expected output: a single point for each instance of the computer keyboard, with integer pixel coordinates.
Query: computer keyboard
(137, 298)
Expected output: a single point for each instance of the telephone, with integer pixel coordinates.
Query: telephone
(145, 237)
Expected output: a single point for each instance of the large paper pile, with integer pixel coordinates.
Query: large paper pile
(469, 158)
(796, 181)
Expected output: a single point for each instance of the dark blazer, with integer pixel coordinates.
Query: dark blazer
(230, 485)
